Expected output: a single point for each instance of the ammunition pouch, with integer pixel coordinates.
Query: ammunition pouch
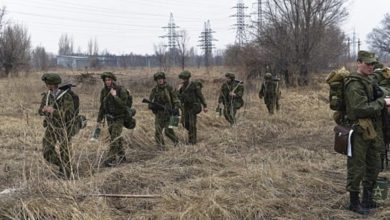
(129, 122)
(367, 129)
(238, 102)
(341, 135)
(197, 108)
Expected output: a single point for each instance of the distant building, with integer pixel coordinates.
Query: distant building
(80, 62)
(74, 62)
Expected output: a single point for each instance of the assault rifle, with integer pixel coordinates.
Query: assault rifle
(159, 107)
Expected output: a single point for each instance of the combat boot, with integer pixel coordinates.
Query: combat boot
(355, 205)
(367, 201)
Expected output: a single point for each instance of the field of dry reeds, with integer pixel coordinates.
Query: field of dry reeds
(266, 167)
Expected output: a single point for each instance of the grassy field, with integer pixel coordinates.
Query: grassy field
(266, 167)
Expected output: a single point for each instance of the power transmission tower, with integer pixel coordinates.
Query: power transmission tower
(240, 25)
(206, 42)
(172, 37)
(258, 23)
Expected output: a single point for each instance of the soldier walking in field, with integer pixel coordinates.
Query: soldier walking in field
(192, 100)
(231, 97)
(113, 109)
(57, 106)
(166, 105)
(270, 92)
(363, 110)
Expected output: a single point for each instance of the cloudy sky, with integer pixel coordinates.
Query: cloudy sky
(124, 26)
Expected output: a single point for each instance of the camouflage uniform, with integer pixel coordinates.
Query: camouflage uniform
(191, 98)
(164, 95)
(113, 109)
(362, 106)
(231, 104)
(57, 124)
(384, 82)
(271, 93)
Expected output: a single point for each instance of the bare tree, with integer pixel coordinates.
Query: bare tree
(182, 49)
(65, 45)
(14, 48)
(95, 47)
(161, 55)
(379, 38)
(39, 58)
(294, 28)
(2, 14)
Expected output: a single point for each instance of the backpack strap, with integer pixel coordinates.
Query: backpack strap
(47, 98)
(62, 94)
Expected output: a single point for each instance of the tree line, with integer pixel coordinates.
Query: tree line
(294, 39)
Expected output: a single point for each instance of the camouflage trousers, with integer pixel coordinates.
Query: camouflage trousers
(230, 113)
(364, 165)
(115, 128)
(271, 103)
(189, 123)
(51, 137)
(161, 124)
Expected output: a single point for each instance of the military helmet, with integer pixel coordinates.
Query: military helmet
(109, 75)
(230, 75)
(185, 74)
(51, 78)
(268, 76)
(159, 75)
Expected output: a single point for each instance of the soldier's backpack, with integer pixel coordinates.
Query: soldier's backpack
(335, 80)
(129, 121)
(78, 121)
(197, 106)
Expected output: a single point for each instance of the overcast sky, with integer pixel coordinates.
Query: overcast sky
(124, 26)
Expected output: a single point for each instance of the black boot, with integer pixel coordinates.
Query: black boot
(355, 205)
(367, 201)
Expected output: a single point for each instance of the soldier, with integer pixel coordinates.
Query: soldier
(192, 100)
(57, 106)
(164, 95)
(113, 108)
(231, 97)
(271, 93)
(363, 111)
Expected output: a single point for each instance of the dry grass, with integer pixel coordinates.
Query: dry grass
(266, 167)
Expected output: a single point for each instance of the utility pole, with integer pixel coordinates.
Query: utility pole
(354, 45)
(240, 25)
(172, 37)
(206, 42)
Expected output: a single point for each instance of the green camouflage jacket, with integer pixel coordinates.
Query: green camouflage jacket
(191, 93)
(226, 89)
(63, 105)
(359, 98)
(269, 89)
(113, 107)
(164, 95)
